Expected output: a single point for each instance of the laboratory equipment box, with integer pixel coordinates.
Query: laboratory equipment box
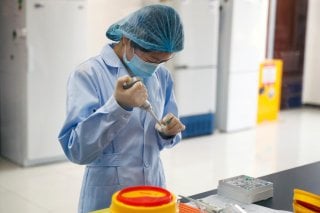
(245, 189)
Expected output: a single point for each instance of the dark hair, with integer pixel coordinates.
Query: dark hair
(136, 46)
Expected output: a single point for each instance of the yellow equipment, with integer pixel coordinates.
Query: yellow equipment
(269, 90)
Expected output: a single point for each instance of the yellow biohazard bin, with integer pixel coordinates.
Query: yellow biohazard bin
(305, 202)
(139, 199)
(270, 77)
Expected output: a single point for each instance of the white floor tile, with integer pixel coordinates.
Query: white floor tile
(13, 203)
(55, 187)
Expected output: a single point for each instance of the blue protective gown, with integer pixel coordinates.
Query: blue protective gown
(120, 147)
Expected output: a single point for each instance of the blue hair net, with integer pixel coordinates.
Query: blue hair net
(154, 27)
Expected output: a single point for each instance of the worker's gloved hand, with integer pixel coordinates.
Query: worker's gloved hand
(171, 125)
(134, 96)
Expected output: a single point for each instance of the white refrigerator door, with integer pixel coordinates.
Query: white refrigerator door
(248, 35)
(242, 102)
(200, 20)
(56, 44)
(196, 91)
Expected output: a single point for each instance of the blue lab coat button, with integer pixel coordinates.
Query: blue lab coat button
(146, 164)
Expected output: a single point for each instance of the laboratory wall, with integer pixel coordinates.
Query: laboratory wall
(311, 76)
(101, 14)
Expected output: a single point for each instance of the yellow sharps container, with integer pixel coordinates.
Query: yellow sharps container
(139, 199)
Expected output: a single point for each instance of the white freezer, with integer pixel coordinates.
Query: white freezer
(195, 70)
(35, 68)
(242, 47)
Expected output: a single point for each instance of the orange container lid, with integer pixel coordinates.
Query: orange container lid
(148, 196)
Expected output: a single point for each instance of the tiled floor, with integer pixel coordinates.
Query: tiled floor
(193, 166)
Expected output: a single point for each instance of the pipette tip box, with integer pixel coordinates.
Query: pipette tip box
(245, 189)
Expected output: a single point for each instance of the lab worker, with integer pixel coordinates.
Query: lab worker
(106, 126)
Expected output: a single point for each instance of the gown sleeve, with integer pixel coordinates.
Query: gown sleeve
(90, 126)
(169, 107)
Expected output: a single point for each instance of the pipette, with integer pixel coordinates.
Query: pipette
(147, 105)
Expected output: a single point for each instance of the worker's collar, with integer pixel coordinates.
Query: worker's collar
(110, 57)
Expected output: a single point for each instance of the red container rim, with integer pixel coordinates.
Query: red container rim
(147, 201)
